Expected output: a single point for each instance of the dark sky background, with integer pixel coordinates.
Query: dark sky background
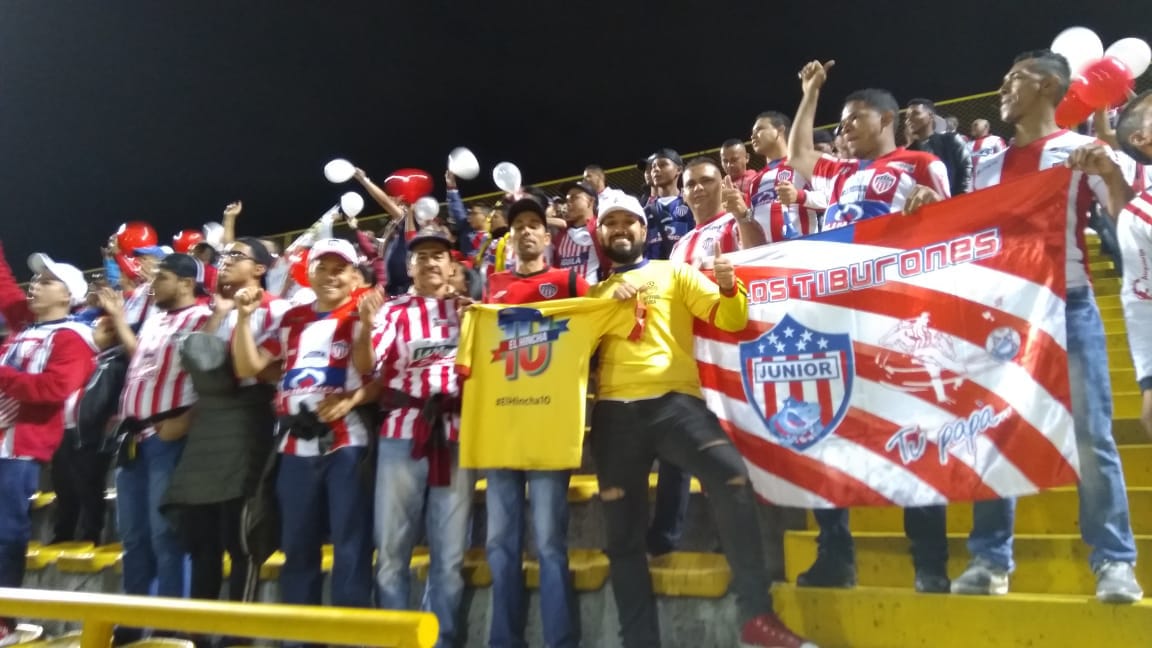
(164, 111)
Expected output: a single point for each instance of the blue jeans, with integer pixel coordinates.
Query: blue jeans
(152, 547)
(18, 481)
(505, 547)
(315, 494)
(1104, 522)
(404, 504)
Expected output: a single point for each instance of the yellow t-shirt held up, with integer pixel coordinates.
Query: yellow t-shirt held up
(527, 378)
(663, 360)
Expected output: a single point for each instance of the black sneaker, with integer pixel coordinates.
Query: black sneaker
(933, 580)
(829, 571)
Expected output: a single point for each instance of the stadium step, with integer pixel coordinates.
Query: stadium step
(868, 617)
(1051, 512)
(1045, 564)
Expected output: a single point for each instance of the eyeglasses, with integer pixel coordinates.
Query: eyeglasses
(235, 255)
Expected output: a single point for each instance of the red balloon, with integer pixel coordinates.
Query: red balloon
(185, 240)
(1073, 110)
(1107, 81)
(135, 234)
(299, 268)
(409, 184)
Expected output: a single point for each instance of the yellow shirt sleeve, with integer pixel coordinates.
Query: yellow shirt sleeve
(705, 301)
(468, 325)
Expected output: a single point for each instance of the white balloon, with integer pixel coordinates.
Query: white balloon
(339, 171)
(214, 234)
(1133, 52)
(463, 164)
(1080, 46)
(426, 210)
(351, 204)
(506, 176)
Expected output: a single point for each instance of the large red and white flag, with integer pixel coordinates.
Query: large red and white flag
(906, 360)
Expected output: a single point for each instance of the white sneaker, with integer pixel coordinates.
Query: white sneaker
(1116, 583)
(981, 578)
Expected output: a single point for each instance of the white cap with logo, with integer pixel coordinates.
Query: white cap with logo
(339, 247)
(69, 275)
(616, 200)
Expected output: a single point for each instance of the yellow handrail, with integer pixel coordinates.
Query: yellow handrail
(99, 613)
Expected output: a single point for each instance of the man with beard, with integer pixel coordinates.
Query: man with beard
(877, 180)
(43, 364)
(918, 125)
(650, 406)
(231, 432)
(1029, 94)
(410, 343)
(532, 281)
(155, 406)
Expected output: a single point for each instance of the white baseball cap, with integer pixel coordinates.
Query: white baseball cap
(69, 275)
(339, 247)
(615, 200)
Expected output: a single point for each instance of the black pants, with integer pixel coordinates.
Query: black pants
(79, 476)
(209, 530)
(925, 526)
(626, 438)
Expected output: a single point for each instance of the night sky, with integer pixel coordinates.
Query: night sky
(164, 111)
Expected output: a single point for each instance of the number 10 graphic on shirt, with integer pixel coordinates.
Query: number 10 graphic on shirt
(527, 343)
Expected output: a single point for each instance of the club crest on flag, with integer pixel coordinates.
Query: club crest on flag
(799, 380)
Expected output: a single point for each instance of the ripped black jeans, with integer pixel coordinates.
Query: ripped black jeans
(678, 428)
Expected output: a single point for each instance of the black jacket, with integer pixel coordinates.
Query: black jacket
(954, 154)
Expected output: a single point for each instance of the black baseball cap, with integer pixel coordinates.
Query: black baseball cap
(258, 251)
(185, 267)
(668, 154)
(582, 186)
(527, 205)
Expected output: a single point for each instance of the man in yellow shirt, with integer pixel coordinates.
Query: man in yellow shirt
(650, 407)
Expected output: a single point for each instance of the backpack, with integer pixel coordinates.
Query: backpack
(100, 399)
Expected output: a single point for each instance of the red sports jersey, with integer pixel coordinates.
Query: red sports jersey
(706, 241)
(982, 147)
(550, 283)
(781, 223)
(264, 324)
(1045, 153)
(59, 352)
(317, 353)
(860, 189)
(156, 382)
(746, 182)
(577, 248)
(415, 339)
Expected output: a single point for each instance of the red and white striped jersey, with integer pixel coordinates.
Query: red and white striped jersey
(706, 241)
(1045, 153)
(138, 305)
(575, 247)
(780, 222)
(982, 147)
(1134, 232)
(860, 189)
(28, 351)
(156, 382)
(317, 353)
(415, 339)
